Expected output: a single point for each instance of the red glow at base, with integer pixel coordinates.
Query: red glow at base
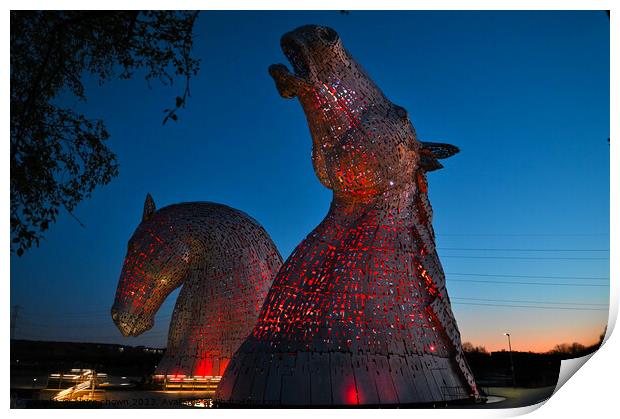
(204, 367)
(351, 395)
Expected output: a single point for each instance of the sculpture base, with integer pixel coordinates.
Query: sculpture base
(430, 405)
(331, 379)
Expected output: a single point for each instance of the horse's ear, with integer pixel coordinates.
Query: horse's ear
(149, 207)
(431, 152)
(429, 164)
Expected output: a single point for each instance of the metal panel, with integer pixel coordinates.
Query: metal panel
(365, 380)
(344, 390)
(416, 374)
(259, 381)
(320, 382)
(383, 381)
(296, 387)
(405, 390)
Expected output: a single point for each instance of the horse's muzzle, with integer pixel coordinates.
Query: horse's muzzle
(131, 324)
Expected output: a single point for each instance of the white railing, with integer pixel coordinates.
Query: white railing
(86, 381)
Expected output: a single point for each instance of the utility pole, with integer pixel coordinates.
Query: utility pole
(14, 320)
(512, 365)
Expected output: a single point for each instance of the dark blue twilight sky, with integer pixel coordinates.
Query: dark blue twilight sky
(525, 95)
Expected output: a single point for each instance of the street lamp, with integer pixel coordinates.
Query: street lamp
(512, 365)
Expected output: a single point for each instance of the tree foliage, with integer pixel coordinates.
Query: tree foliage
(59, 156)
(468, 347)
(574, 348)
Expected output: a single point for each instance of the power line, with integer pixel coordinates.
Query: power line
(94, 337)
(523, 234)
(67, 315)
(521, 257)
(79, 325)
(520, 250)
(492, 300)
(79, 314)
(528, 283)
(538, 307)
(530, 302)
(102, 309)
(68, 326)
(597, 278)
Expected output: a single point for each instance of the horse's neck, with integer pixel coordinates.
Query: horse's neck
(405, 207)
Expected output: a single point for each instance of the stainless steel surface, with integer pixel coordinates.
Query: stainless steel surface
(359, 313)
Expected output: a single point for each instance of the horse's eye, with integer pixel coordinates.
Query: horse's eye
(328, 35)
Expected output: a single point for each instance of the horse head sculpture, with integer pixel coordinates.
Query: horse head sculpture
(359, 313)
(363, 144)
(225, 262)
(157, 262)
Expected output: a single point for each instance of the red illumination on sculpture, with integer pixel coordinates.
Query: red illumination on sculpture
(224, 261)
(359, 313)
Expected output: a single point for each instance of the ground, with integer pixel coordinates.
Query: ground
(500, 398)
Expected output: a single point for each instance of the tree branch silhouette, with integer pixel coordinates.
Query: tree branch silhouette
(59, 156)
